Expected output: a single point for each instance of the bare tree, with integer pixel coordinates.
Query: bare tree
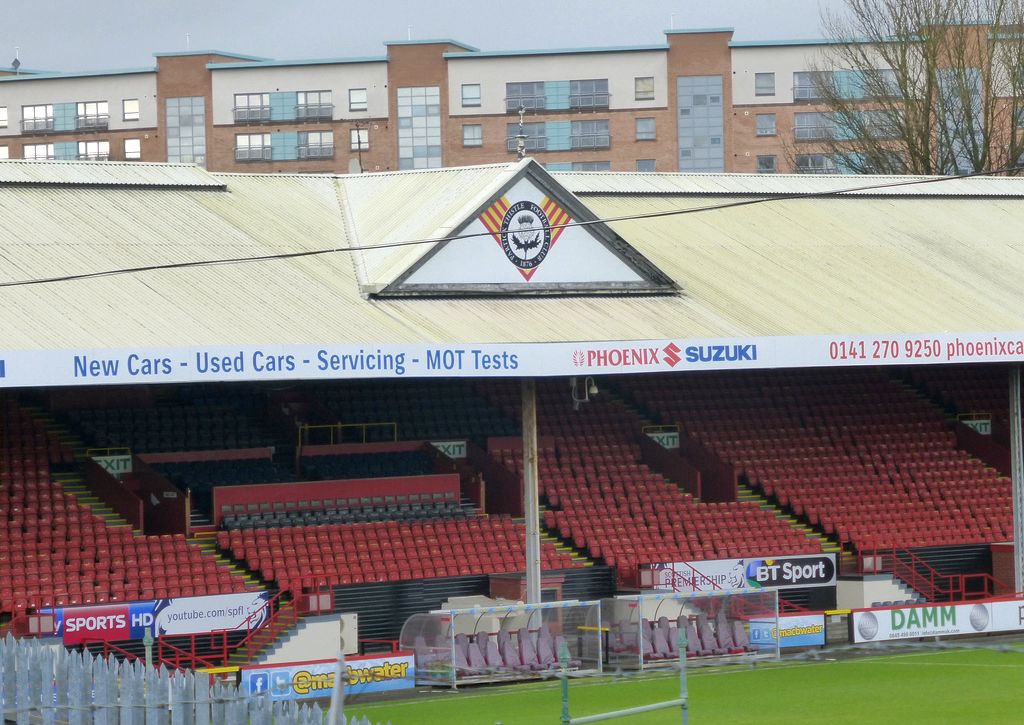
(919, 86)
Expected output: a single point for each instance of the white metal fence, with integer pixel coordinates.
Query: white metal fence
(48, 684)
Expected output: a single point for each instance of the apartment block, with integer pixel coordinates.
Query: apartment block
(697, 102)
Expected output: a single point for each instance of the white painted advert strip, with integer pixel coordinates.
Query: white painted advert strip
(937, 620)
(808, 570)
(24, 368)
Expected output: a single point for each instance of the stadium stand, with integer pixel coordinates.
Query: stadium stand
(852, 452)
(384, 551)
(606, 501)
(366, 465)
(55, 551)
(420, 410)
(188, 420)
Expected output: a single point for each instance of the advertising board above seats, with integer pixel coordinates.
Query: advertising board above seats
(23, 368)
(780, 572)
(118, 621)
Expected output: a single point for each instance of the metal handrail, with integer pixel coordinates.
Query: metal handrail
(97, 120)
(314, 110)
(533, 143)
(589, 100)
(813, 133)
(253, 153)
(530, 103)
(591, 141)
(37, 124)
(251, 113)
(316, 151)
(922, 576)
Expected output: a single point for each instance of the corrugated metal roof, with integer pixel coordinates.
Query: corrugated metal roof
(792, 267)
(107, 173)
(581, 182)
(402, 206)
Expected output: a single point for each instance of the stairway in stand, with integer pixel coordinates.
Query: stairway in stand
(829, 546)
(561, 545)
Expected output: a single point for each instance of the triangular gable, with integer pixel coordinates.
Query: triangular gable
(527, 238)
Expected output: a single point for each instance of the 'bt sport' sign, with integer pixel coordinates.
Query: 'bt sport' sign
(183, 615)
(778, 572)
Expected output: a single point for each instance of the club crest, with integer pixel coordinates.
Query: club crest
(525, 234)
(524, 230)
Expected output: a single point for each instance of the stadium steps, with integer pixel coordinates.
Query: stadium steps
(560, 544)
(829, 546)
(207, 542)
(73, 483)
(264, 639)
(59, 429)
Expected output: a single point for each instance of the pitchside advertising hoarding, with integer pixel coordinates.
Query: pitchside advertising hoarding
(183, 615)
(306, 680)
(805, 630)
(21, 368)
(936, 620)
(780, 572)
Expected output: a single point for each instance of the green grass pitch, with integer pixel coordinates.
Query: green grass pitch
(951, 686)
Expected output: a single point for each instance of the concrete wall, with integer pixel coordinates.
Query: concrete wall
(856, 594)
(338, 78)
(113, 89)
(620, 68)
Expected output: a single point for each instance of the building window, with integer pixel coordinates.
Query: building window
(92, 114)
(359, 139)
(646, 129)
(590, 135)
(807, 85)
(646, 165)
(357, 99)
(814, 164)
(37, 118)
(536, 136)
(186, 130)
(314, 104)
(812, 126)
(252, 107)
(132, 149)
(591, 93)
(93, 150)
(472, 134)
(470, 94)
(765, 124)
(764, 84)
(525, 95)
(591, 165)
(316, 144)
(252, 147)
(38, 151)
(643, 88)
(767, 165)
(130, 109)
(3, 116)
(4, 153)
(419, 128)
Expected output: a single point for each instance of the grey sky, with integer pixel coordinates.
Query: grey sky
(75, 35)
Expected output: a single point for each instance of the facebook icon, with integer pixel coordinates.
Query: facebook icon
(258, 683)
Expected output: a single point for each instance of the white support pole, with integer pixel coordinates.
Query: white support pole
(531, 502)
(1017, 479)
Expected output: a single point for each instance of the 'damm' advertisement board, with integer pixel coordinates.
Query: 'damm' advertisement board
(305, 680)
(936, 620)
